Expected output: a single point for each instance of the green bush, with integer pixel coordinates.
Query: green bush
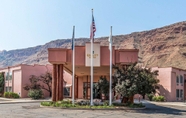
(154, 98)
(35, 93)
(161, 98)
(46, 103)
(11, 95)
(15, 95)
(158, 98)
(6, 94)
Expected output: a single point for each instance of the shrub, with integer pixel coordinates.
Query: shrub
(35, 93)
(150, 96)
(46, 103)
(15, 95)
(6, 94)
(161, 98)
(11, 95)
(158, 98)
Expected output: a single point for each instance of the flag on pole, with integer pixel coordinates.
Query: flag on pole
(92, 28)
(73, 63)
(72, 41)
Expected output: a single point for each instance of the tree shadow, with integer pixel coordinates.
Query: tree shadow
(159, 109)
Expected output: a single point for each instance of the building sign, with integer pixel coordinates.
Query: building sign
(96, 55)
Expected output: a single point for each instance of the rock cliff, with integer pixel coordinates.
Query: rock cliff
(161, 47)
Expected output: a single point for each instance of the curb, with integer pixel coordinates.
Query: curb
(93, 108)
(15, 102)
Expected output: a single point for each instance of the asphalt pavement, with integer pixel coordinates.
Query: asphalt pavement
(33, 110)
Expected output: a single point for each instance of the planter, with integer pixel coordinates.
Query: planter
(116, 108)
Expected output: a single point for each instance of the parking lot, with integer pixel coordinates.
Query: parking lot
(33, 110)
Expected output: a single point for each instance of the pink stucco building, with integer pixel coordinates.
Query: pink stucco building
(16, 77)
(172, 83)
(62, 60)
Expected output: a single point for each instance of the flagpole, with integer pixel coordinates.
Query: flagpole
(73, 64)
(92, 53)
(110, 86)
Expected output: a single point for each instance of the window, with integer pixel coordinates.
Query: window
(181, 79)
(8, 89)
(9, 76)
(177, 80)
(181, 93)
(177, 93)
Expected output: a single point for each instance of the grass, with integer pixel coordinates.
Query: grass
(68, 104)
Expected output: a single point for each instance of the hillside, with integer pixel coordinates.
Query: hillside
(161, 47)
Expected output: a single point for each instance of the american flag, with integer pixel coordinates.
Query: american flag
(72, 41)
(92, 28)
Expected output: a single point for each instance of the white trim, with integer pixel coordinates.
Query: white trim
(68, 85)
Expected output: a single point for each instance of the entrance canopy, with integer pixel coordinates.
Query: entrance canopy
(82, 58)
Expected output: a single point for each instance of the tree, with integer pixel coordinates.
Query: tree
(131, 80)
(125, 78)
(2, 82)
(47, 79)
(148, 81)
(34, 83)
(103, 86)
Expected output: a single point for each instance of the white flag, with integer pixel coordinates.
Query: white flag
(110, 40)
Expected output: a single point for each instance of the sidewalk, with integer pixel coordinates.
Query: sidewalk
(162, 103)
(20, 100)
(169, 103)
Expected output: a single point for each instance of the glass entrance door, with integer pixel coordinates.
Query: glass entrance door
(86, 91)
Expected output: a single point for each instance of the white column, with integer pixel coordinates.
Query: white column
(110, 86)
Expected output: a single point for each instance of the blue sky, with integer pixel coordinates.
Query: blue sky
(28, 23)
